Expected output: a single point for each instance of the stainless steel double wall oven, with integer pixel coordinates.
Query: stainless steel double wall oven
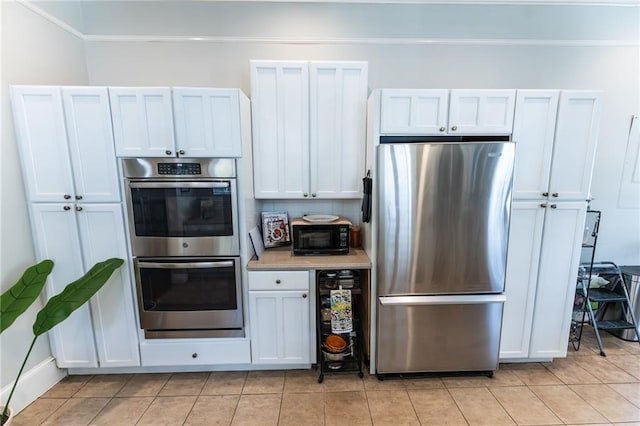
(183, 224)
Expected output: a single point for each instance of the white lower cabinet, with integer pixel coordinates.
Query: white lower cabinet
(542, 265)
(185, 352)
(279, 315)
(102, 333)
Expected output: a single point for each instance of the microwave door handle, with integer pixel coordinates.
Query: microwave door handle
(185, 265)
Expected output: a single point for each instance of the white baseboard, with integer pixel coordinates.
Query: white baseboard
(33, 383)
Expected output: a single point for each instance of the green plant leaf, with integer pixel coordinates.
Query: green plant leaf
(74, 295)
(15, 301)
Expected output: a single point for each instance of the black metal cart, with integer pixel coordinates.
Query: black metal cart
(349, 360)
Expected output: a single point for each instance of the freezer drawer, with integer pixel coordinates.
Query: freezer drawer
(439, 333)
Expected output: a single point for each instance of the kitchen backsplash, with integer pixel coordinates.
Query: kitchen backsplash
(349, 209)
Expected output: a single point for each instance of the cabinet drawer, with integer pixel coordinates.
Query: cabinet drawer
(195, 353)
(278, 280)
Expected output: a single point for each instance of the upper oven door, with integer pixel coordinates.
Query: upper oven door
(183, 218)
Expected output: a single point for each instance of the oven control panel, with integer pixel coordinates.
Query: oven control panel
(179, 169)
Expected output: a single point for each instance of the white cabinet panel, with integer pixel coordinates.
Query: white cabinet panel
(558, 269)
(142, 121)
(280, 119)
(338, 117)
(533, 133)
(481, 111)
(39, 124)
(112, 307)
(56, 238)
(525, 239)
(279, 327)
(309, 121)
(279, 280)
(207, 122)
(181, 352)
(414, 112)
(575, 145)
(88, 119)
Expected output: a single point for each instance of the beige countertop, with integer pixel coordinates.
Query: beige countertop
(281, 258)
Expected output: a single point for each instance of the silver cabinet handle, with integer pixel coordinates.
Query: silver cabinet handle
(67, 207)
(168, 152)
(545, 194)
(78, 197)
(454, 128)
(543, 205)
(442, 129)
(555, 194)
(78, 208)
(553, 206)
(181, 152)
(67, 196)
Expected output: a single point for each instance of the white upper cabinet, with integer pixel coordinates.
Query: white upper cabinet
(481, 111)
(309, 124)
(446, 112)
(555, 134)
(533, 132)
(142, 121)
(207, 122)
(407, 111)
(280, 124)
(575, 145)
(62, 162)
(338, 118)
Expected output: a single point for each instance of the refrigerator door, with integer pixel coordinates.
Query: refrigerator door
(439, 333)
(443, 212)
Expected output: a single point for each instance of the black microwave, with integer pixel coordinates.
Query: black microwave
(311, 237)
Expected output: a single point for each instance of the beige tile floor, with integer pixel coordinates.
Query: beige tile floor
(582, 389)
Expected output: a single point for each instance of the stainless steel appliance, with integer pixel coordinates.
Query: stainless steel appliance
(443, 218)
(184, 237)
(180, 207)
(189, 297)
(320, 238)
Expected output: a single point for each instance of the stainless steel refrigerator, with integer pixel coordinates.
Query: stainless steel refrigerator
(443, 219)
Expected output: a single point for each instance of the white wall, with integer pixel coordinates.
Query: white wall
(34, 51)
(613, 69)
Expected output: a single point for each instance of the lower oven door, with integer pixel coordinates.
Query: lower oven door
(189, 297)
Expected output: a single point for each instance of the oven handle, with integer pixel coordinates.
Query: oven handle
(185, 265)
(178, 184)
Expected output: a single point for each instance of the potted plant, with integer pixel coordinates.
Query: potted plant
(15, 301)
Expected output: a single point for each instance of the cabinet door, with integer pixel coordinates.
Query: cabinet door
(42, 143)
(56, 237)
(575, 145)
(207, 122)
(481, 111)
(280, 121)
(338, 119)
(142, 121)
(413, 112)
(557, 273)
(533, 133)
(90, 135)
(525, 238)
(279, 327)
(102, 235)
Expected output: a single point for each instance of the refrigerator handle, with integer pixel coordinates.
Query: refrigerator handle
(466, 299)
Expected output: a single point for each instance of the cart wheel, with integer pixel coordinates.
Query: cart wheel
(361, 374)
(602, 353)
(320, 378)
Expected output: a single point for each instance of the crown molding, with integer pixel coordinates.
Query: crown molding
(343, 41)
